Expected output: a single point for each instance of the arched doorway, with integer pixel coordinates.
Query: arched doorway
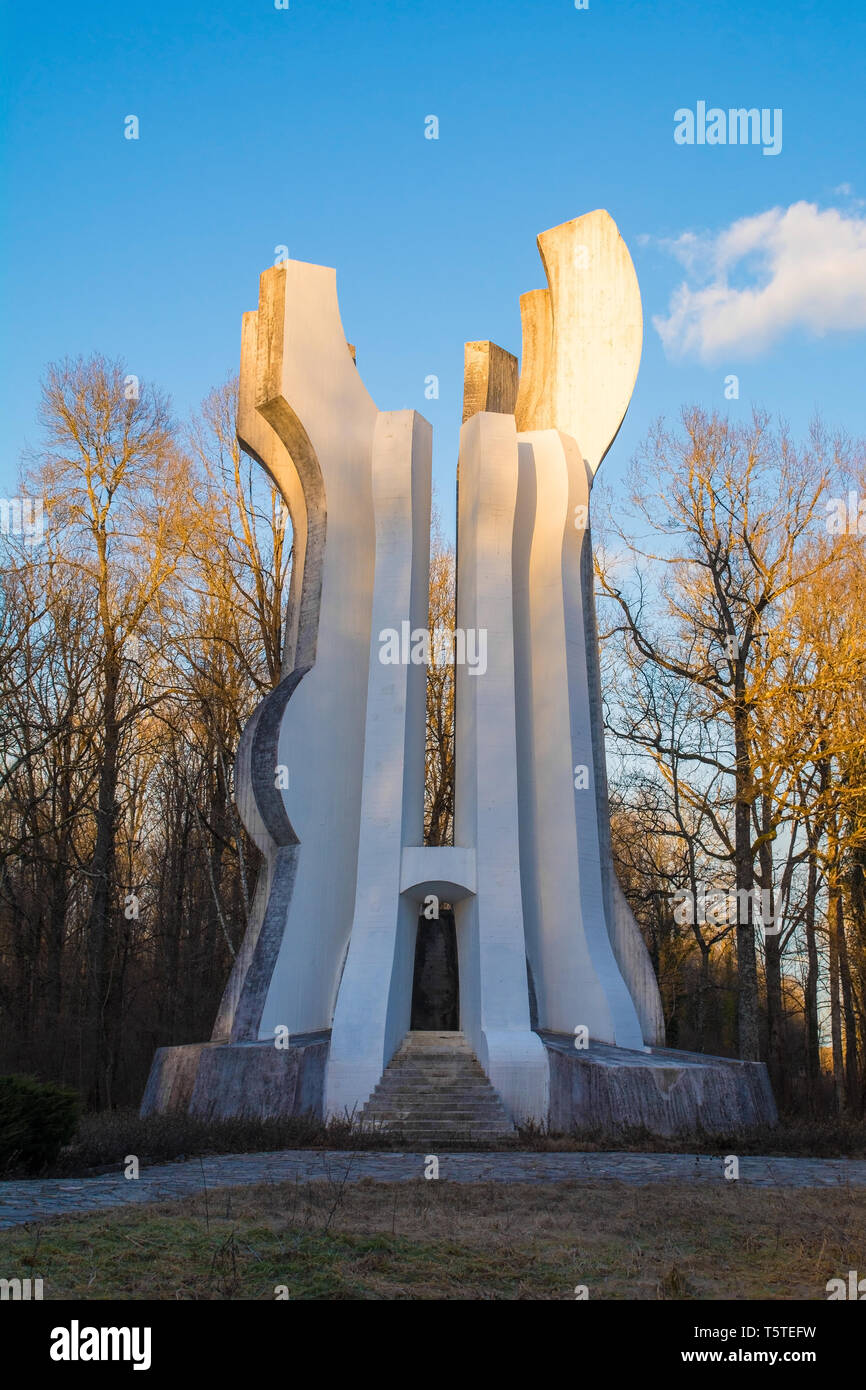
(435, 983)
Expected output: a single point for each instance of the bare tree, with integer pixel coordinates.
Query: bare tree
(439, 778)
(730, 506)
(111, 462)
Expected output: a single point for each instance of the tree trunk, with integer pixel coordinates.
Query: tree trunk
(97, 932)
(813, 1041)
(851, 1082)
(772, 967)
(747, 969)
(835, 1003)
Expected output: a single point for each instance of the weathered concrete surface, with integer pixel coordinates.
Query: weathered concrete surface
(262, 943)
(255, 1081)
(490, 379)
(171, 1079)
(258, 1081)
(601, 1088)
(667, 1092)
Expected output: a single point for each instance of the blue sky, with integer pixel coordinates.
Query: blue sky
(305, 127)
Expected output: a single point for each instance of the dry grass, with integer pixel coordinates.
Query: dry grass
(104, 1139)
(441, 1240)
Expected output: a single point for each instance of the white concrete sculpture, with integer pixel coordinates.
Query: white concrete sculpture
(319, 1005)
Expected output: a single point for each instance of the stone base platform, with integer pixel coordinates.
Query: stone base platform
(666, 1092)
(251, 1081)
(602, 1088)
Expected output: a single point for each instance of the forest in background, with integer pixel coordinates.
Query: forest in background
(141, 626)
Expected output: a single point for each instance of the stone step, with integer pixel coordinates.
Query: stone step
(403, 1112)
(462, 1117)
(448, 1095)
(434, 1089)
(437, 1140)
(446, 1075)
(435, 1093)
(422, 1038)
(438, 1093)
(433, 1073)
(445, 1125)
(436, 1059)
(458, 1112)
(413, 1066)
(472, 1085)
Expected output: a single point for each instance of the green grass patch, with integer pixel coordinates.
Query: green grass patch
(442, 1241)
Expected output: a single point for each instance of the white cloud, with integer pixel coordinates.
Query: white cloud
(798, 267)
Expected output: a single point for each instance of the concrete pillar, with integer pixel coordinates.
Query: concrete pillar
(576, 976)
(494, 992)
(373, 1005)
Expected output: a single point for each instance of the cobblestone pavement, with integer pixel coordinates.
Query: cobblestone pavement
(40, 1199)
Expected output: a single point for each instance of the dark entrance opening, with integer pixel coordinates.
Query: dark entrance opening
(435, 987)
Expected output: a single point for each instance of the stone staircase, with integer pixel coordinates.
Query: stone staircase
(434, 1091)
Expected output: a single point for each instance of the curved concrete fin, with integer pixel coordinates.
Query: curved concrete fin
(597, 332)
(305, 415)
(261, 441)
(303, 354)
(294, 349)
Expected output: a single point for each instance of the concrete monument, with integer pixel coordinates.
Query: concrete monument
(560, 1019)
